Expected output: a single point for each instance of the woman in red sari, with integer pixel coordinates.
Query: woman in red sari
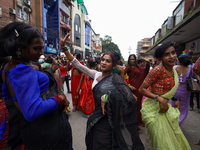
(75, 79)
(196, 69)
(86, 103)
(136, 77)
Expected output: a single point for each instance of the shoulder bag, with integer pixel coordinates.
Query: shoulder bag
(192, 84)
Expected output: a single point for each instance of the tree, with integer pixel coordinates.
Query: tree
(108, 45)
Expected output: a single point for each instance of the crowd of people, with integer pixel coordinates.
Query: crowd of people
(115, 99)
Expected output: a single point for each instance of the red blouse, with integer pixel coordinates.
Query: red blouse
(159, 80)
(196, 67)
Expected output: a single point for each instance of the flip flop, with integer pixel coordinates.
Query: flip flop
(74, 109)
(85, 116)
(197, 143)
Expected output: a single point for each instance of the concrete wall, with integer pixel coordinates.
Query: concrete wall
(83, 18)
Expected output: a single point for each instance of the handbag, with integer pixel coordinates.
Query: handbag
(192, 84)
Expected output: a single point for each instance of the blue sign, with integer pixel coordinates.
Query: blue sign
(51, 50)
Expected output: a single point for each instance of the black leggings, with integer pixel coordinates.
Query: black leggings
(191, 99)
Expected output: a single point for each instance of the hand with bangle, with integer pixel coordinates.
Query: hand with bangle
(104, 100)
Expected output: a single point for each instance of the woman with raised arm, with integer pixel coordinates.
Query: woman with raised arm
(36, 117)
(160, 118)
(114, 103)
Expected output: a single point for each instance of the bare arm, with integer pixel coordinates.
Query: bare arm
(80, 83)
(121, 72)
(74, 61)
(163, 104)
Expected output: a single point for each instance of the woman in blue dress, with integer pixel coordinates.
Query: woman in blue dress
(36, 117)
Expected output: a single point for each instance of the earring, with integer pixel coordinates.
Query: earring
(18, 53)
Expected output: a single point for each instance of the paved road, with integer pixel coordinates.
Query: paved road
(191, 129)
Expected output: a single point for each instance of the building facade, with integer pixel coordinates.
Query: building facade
(28, 11)
(145, 41)
(182, 28)
(85, 40)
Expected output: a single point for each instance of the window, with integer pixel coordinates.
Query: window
(22, 15)
(64, 18)
(64, 32)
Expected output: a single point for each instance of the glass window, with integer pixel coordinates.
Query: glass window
(64, 18)
(22, 15)
(26, 16)
(18, 12)
(64, 32)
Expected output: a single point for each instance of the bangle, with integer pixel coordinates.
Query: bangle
(104, 98)
(174, 98)
(155, 99)
(64, 49)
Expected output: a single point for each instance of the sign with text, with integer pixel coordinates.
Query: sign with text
(51, 50)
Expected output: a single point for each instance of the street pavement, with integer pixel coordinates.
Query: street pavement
(191, 128)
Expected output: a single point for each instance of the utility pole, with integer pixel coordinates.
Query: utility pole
(129, 50)
(56, 42)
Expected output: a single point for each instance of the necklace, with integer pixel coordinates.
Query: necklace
(170, 71)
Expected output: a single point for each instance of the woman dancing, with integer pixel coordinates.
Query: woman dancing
(160, 118)
(103, 127)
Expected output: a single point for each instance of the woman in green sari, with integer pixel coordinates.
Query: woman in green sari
(160, 118)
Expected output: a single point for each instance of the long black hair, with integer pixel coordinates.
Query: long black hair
(184, 60)
(3, 61)
(16, 35)
(135, 60)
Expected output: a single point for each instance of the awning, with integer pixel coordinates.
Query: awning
(80, 1)
(84, 9)
(184, 32)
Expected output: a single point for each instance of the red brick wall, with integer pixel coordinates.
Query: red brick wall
(35, 18)
(36, 15)
(6, 16)
(188, 4)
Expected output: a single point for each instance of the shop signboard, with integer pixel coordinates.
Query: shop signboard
(51, 50)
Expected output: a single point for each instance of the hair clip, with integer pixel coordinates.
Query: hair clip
(108, 53)
(160, 44)
(16, 33)
(173, 43)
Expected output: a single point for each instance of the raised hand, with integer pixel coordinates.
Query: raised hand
(63, 40)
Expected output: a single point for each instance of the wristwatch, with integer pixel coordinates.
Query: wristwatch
(155, 99)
